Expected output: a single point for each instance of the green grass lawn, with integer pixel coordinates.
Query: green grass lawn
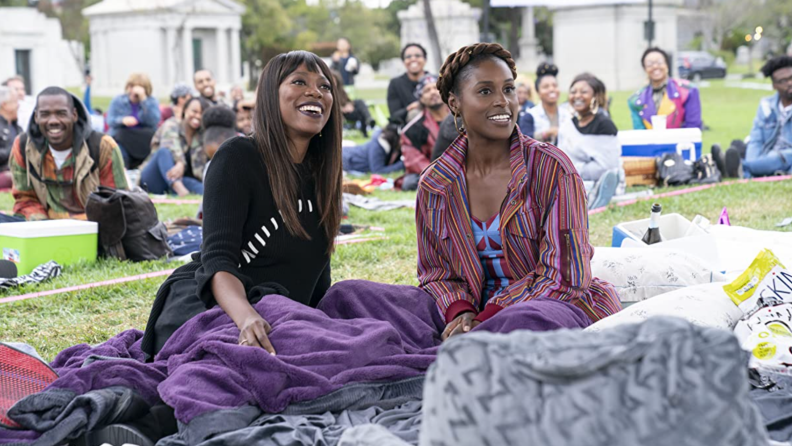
(53, 323)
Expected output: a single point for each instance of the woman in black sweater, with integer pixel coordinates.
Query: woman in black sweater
(272, 207)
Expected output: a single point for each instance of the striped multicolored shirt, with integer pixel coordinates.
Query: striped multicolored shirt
(486, 235)
(543, 227)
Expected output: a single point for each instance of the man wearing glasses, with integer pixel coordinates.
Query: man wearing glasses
(769, 150)
(60, 160)
(675, 99)
(401, 89)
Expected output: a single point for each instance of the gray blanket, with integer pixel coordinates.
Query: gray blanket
(400, 424)
(395, 407)
(662, 382)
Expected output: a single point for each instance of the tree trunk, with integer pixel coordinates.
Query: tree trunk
(434, 40)
(514, 32)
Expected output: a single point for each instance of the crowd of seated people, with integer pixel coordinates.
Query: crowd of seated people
(166, 142)
(503, 184)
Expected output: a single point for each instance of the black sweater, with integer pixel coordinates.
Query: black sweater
(401, 93)
(245, 235)
(600, 125)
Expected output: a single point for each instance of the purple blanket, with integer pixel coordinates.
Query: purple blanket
(361, 332)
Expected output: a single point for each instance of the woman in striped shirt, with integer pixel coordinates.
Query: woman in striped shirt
(501, 218)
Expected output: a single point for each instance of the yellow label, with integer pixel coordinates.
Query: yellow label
(744, 286)
(764, 351)
(779, 329)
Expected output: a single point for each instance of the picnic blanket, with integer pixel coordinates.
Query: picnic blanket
(362, 332)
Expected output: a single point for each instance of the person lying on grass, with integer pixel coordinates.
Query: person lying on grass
(272, 207)
(501, 218)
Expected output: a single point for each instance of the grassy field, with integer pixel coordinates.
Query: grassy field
(53, 323)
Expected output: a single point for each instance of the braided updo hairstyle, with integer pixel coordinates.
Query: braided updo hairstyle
(458, 65)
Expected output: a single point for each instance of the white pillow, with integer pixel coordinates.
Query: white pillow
(706, 305)
(639, 273)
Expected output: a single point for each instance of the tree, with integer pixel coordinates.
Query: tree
(775, 17)
(73, 25)
(506, 25)
(393, 8)
(265, 25)
(271, 27)
(7, 3)
(367, 30)
(434, 40)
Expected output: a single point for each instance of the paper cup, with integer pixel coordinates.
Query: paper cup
(659, 122)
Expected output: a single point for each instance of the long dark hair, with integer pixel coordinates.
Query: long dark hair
(204, 105)
(324, 152)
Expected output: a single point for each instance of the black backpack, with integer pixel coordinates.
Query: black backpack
(673, 170)
(128, 225)
(705, 171)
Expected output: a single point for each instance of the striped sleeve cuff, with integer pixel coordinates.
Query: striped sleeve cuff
(457, 308)
(489, 311)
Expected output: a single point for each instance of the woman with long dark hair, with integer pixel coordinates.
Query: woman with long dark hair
(177, 160)
(272, 207)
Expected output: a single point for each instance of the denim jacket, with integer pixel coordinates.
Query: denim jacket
(121, 107)
(767, 127)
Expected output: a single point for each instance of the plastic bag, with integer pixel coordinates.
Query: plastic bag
(764, 293)
(757, 286)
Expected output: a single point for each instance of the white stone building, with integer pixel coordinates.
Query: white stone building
(606, 37)
(32, 46)
(166, 39)
(608, 41)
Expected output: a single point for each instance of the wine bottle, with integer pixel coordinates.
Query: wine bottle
(652, 234)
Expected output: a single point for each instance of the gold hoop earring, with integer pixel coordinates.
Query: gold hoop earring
(594, 107)
(459, 130)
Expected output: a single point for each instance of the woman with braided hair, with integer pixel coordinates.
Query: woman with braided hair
(501, 218)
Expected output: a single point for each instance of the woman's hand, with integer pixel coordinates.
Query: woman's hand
(129, 121)
(254, 331)
(461, 324)
(176, 172)
(140, 92)
(550, 134)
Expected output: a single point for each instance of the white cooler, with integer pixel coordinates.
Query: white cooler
(654, 143)
(678, 233)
